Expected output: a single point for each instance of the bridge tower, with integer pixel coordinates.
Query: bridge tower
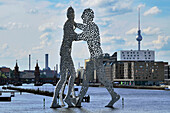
(37, 73)
(16, 73)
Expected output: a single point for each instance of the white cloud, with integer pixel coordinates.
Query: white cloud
(48, 27)
(45, 36)
(33, 11)
(108, 7)
(146, 31)
(141, 5)
(60, 5)
(5, 46)
(131, 44)
(161, 41)
(151, 11)
(163, 55)
(13, 25)
(132, 31)
(151, 31)
(109, 39)
(38, 47)
(94, 3)
(122, 6)
(57, 41)
(5, 55)
(44, 41)
(22, 53)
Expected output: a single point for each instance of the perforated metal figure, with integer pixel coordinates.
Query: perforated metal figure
(66, 63)
(91, 35)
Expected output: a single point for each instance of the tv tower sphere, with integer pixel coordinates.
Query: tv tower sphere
(139, 36)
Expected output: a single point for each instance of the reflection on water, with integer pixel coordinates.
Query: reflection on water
(135, 100)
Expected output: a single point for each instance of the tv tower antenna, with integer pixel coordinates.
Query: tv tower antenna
(139, 36)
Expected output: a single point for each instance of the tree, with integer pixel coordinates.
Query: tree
(2, 75)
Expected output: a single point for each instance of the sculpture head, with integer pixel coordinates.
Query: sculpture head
(87, 15)
(70, 13)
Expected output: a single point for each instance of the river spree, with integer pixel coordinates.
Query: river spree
(135, 101)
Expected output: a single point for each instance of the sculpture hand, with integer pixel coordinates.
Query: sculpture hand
(75, 24)
(74, 36)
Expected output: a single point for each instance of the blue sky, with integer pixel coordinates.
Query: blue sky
(36, 27)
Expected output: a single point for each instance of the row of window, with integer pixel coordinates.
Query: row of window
(136, 55)
(134, 52)
(134, 58)
(145, 78)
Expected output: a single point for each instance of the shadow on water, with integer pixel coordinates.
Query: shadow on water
(86, 110)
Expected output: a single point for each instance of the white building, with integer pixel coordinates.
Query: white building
(136, 55)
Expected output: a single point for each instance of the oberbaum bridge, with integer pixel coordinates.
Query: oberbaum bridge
(17, 80)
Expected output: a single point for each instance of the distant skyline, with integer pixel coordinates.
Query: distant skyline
(36, 27)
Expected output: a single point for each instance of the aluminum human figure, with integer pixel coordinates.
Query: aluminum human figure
(66, 62)
(91, 35)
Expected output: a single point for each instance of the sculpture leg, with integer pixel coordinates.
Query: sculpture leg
(56, 93)
(68, 99)
(85, 85)
(62, 90)
(73, 96)
(107, 83)
(62, 93)
(58, 87)
(73, 92)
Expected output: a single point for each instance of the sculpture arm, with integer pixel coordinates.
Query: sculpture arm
(82, 36)
(80, 26)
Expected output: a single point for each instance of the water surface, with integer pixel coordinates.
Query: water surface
(135, 101)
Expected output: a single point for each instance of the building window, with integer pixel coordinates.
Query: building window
(141, 66)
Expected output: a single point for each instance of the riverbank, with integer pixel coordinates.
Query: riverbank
(142, 87)
(34, 91)
(131, 87)
(50, 93)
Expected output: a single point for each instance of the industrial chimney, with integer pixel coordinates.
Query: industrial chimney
(46, 61)
(29, 61)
